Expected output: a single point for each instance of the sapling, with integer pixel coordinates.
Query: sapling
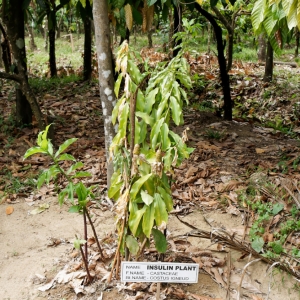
(75, 187)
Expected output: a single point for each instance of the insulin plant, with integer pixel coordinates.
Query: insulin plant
(145, 149)
(75, 191)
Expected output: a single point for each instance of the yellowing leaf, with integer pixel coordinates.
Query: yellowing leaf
(9, 210)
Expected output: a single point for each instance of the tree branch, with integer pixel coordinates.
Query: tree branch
(223, 20)
(13, 77)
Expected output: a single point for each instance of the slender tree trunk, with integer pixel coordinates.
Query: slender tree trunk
(31, 38)
(269, 64)
(171, 30)
(46, 36)
(149, 36)
(177, 27)
(106, 80)
(14, 20)
(52, 57)
(1, 60)
(127, 36)
(262, 47)
(208, 37)
(87, 57)
(222, 62)
(297, 35)
(6, 55)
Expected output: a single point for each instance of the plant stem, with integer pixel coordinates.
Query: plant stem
(85, 233)
(86, 265)
(94, 231)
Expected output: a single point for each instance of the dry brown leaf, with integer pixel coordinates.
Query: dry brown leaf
(260, 150)
(9, 210)
(199, 297)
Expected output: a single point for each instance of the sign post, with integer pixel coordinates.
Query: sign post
(159, 272)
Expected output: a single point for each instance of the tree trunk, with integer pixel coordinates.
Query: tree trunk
(127, 36)
(262, 47)
(1, 56)
(6, 55)
(14, 20)
(222, 62)
(87, 57)
(208, 37)
(23, 109)
(31, 38)
(171, 29)
(177, 27)
(106, 80)
(297, 34)
(46, 36)
(52, 58)
(149, 36)
(269, 64)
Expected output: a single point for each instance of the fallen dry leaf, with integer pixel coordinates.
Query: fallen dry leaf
(9, 210)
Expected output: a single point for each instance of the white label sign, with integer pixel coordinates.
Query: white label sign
(159, 272)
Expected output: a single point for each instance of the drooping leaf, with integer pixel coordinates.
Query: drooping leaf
(147, 199)
(160, 213)
(135, 218)
(34, 150)
(148, 220)
(66, 156)
(132, 244)
(74, 209)
(159, 240)
(176, 110)
(137, 185)
(166, 197)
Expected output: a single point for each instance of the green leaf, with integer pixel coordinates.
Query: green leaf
(159, 240)
(148, 119)
(66, 156)
(258, 243)
(74, 209)
(123, 121)
(81, 191)
(258, 13)
(134, 72)
(64, 146)
(34, 150)
(163, 105)
(135, 217)
(117, 85)
(147, 199)
(61, 197)
(75, 166)
(70, 190)
(140, 101)
(116, 184)
(165, 141)
(155, 132)
(176, 110)
(277, 247)
(160, 213)
(77, 243)
(137, 185)
(151, 2)
(166, 197)
(82, 174)
(132, 244)
(41, 179)
(148, 220)
(277, 208)
(213, 3)
(150, 100)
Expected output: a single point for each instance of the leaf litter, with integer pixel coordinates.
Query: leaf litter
(218, 172)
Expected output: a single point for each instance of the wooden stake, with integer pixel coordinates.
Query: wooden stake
(158, 291)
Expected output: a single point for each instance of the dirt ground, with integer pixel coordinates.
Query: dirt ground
(34, 248)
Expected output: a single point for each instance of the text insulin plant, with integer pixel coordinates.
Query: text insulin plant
(145, 150)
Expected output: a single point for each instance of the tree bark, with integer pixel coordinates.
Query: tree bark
(45, 29)
(222, 62)
(297, 35)
(149, 36)
(6, 55)
(177, 27)
(87, 57)
(262, 47)
(14, 20)
(31, 38)
(269, 64)
(106, 80)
